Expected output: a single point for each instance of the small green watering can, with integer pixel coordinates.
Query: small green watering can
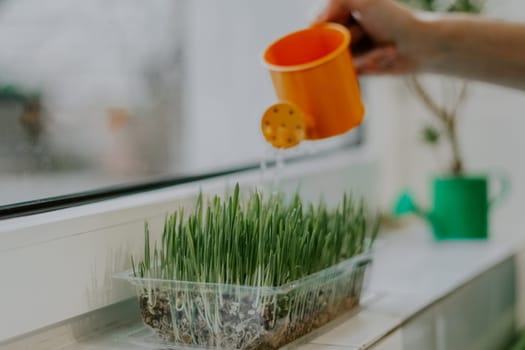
(461, 206)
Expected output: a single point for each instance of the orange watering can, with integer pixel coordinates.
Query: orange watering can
(315, 80)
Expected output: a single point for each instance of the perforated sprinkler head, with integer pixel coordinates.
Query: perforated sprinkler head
(283, 125)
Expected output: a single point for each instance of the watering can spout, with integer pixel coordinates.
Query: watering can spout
(407, 205)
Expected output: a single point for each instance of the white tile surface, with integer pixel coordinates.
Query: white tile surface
(392, 342)
(304, 347)
(326, 347)
(401, 306)
(360, 331)
(422, 334)
(465, 315)
(520, 273)
(412, 263)
(117, 341)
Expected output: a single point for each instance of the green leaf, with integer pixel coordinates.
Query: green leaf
(466, 6)
(431, 135)
(258, 242)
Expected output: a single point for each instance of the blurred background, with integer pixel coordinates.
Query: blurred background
(488, 121)
(103, 93)
(106, 93)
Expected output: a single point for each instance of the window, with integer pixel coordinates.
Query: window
(114, 95)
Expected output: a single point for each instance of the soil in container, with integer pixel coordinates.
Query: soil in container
(230, 322)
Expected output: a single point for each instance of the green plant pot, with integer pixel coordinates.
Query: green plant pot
(461, 206)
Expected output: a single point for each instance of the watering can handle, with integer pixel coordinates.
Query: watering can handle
(504, 186)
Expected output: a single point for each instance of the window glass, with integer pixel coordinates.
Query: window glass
(100, 93)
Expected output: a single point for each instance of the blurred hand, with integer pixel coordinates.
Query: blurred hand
(385, 36)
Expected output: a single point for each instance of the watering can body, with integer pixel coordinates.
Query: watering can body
(461, 207)
(316, 83)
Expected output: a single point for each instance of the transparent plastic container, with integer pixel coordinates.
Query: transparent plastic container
(218, 316)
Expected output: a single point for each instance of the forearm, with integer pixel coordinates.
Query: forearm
(475, 48)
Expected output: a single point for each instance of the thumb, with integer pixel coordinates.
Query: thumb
(338, 11)
(335, 11)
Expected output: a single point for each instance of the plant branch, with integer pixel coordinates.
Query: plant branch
(415, 86)
(447, 117)
(462, 96)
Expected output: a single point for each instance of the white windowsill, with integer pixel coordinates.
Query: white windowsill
(410, 273)
(64, 262)
(61, 263)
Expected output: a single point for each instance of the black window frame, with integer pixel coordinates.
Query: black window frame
(50, 204)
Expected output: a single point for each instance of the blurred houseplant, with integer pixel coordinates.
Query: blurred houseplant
(444, 129)
(252, 274)
(21, 129)
(461, 201)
